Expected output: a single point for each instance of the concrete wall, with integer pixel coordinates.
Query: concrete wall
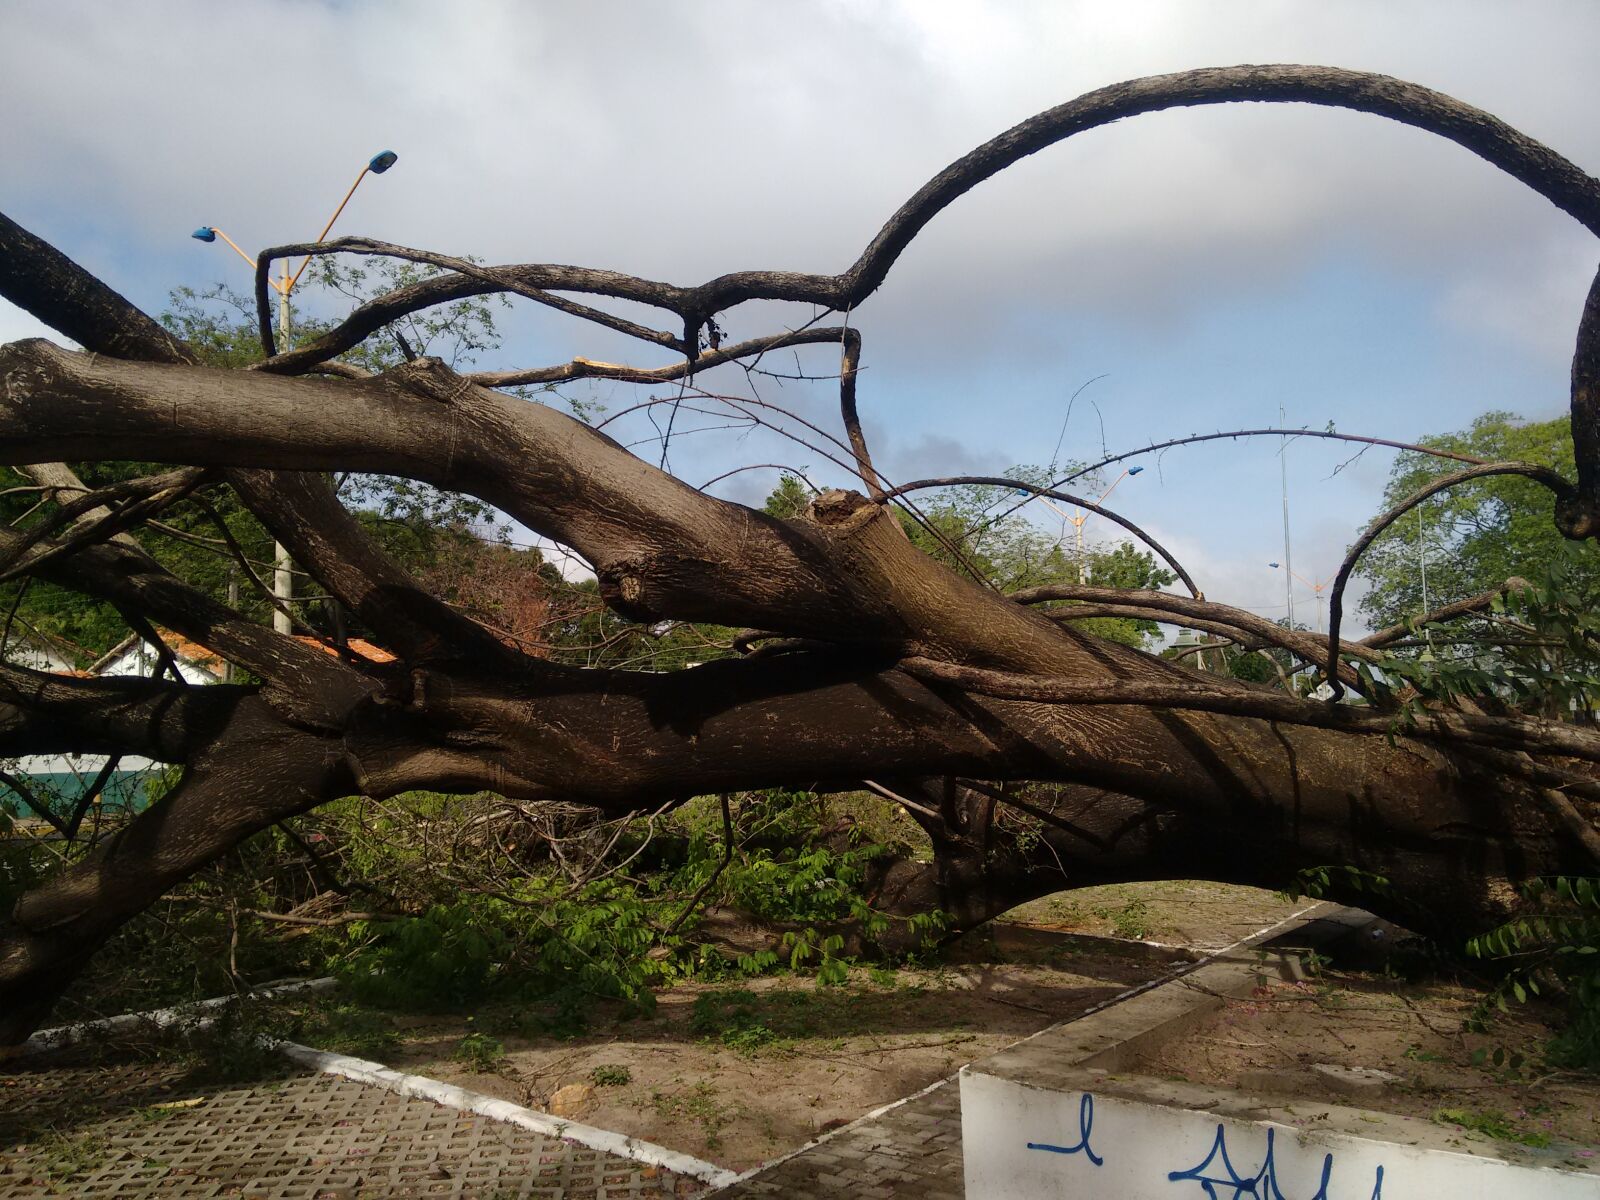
(1026, 1142)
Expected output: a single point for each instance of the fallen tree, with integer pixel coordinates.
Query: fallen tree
(869, 660)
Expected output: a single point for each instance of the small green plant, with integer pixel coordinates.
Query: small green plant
(67, 1156)
(234, 1043)
(610, 1075)
(349, 1029)
(1557, 942)
(1416, 1053)
(479, 1052)
(734, 1018)
(1490, 1124)
(699, 1104)
(1132, 920)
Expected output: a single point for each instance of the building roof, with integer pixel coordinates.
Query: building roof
(209, 661)
(360, 647)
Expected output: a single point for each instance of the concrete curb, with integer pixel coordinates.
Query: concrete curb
(63, 1036)
(608, 1141)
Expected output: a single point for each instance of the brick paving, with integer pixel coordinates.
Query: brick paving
(913, 1150)
(311, 1137)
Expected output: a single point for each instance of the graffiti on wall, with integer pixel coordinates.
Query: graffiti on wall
(1085, 1127)
(1263, 1184)
(1216, 1174)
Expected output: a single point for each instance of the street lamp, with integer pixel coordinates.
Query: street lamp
(1084, 514)
(282, 576)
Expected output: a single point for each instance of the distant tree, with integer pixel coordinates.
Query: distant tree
(1476, 535)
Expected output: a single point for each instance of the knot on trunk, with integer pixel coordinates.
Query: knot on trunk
(840, 510)
(428, 377)
(1578, 517)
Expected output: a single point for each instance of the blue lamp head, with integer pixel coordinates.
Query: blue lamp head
(1273, 565)
(382, 162)
(204, 234)
(1134, 470)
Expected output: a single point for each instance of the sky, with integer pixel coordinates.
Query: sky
(1198, 270)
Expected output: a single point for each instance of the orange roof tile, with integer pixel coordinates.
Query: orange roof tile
(357, 646)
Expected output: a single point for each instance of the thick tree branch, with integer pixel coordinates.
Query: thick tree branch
(1515, 733)
(1482, 602)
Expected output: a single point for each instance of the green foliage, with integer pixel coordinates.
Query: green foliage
(1476, 535)
(540, 941)
(1316, 882)
(611, 1075)
(1491, 1124)
(479, 1052)
(235, 1042)
(788, 499)
(733, 1017)
(522, 935)
(973, 530)
(1556, 943)
(1538, 651)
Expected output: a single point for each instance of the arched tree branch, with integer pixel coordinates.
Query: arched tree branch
(1542, 475)
(1020, 485)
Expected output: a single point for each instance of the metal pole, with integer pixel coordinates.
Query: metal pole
(282, 576)
(1422, 566)
(1288, 562)
(1083, 576)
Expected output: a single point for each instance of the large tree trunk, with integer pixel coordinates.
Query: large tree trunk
(1448, 847)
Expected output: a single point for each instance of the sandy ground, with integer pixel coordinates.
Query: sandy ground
(740, 1074)
(1415, 1033)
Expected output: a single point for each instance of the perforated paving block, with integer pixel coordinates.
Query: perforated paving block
(314, 1138)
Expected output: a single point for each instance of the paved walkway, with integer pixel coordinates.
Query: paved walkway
(308, 1137)
(913, 1149)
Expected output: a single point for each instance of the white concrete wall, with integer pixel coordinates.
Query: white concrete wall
(1023, 1142)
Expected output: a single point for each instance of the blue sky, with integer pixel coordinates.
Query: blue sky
(1210, 264)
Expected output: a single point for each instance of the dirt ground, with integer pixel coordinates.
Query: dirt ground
(1179, 912)
(741, 1073)
(1284, 1039)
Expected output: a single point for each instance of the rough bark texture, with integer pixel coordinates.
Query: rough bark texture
(905, 672)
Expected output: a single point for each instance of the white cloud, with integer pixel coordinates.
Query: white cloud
(16, 324)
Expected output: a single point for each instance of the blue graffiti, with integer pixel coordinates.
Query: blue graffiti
(1263, 1185)
(1085, 1126)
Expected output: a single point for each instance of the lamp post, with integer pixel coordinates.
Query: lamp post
(282, 572)
(1283, 478)
(1083, 516)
